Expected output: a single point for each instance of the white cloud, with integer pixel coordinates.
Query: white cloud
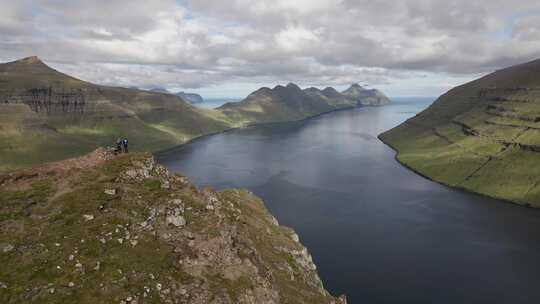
(295, 39)
(204, 43)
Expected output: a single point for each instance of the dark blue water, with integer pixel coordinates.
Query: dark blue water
(378, 232)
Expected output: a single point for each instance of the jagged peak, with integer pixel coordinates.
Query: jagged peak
(262, 91)
(293, 86)
(312, 89)
(329, 89)
(288, 86)
(355, 87)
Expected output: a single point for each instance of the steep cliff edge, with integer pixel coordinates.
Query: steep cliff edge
(190, 97)
(483, 136)
(108, 229)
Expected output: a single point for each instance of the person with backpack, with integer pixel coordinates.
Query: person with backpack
(118, 148)
(125, 145)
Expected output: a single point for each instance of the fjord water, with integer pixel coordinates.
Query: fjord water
(378, 232)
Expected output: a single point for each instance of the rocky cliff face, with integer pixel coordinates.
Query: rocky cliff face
(190, 97)
(123, 229)
(366, 97)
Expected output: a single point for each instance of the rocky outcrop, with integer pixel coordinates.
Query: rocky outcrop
(190, 97)
(187, 97)
(154, 239)
(366, 97)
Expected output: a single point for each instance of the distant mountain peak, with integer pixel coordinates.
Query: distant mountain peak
(30, 60)
(190, 97)
(160, 90)
(355, 87)
(330, 89)
(312, 89)
(293, 86)
(264, 91)
(363, 96)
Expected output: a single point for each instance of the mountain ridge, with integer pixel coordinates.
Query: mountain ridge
(281, 103)
(46, 115)
(298, 103)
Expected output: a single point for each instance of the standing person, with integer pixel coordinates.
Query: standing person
(125, 145)
(118, 148)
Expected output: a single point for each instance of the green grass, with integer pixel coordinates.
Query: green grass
(151, 121)
(42, 217)
(489, 156)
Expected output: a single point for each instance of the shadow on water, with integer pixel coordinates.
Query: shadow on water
(378, 232)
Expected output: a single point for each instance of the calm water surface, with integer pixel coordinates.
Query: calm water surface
(377, 232)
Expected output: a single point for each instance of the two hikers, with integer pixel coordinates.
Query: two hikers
(121, 146)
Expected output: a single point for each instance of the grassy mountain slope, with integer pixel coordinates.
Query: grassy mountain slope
(31, 72)
(46, 115)
(483, 136)
(106, 229)
(152, 120)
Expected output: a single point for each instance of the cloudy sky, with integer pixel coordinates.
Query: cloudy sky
(230, 48)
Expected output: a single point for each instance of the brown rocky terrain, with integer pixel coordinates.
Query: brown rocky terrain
(122, 229)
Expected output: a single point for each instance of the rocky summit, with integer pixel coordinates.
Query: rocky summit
(365, 97)
(122, 229)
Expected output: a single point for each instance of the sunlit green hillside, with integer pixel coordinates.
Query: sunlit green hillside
(46, 115)
(483, 136)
